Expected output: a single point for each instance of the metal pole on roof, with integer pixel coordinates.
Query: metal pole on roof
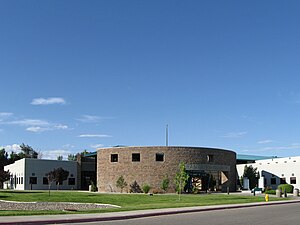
(167, 135)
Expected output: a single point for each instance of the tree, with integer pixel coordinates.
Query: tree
(72, 157)
(4, 176)
(252, 174)
(27, 152)
(181, 178)
(60, 158)
(51, 178)
(58, 175)
(165, 183)
(121, 183)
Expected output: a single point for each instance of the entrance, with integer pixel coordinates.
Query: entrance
(200, 181)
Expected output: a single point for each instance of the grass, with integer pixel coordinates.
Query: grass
(126, 201)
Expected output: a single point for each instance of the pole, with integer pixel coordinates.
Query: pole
(167, 135)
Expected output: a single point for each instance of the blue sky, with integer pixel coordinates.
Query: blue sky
(85, 74)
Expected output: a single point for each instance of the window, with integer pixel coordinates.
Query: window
(282, 180)
(159, 157)
(210, 158)
(21, 180)
(45, 181)
(136, 157)
(273, 180)
(32, 180)
(293, 180)
(71, 181)
(114, 157)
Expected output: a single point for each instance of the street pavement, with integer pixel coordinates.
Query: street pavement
(129, 216)
(267, 215)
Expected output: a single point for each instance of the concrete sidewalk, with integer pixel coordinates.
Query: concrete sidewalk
(76, 218)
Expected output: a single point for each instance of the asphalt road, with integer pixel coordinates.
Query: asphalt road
(263, 215)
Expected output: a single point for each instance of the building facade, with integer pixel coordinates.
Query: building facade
(208, 168)
(30, 174)
(276, 171)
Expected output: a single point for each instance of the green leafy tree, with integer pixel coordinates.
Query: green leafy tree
(27, 152)
(165, 183)
(4, 176)
(252, 174)
(121, 183)
(181, 179)
(61, 175)
(72, 157)
(60, 158)
(58, 175)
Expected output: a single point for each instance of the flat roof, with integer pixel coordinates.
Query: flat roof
(253, 157)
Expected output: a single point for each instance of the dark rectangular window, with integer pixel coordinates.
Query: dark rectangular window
(114, 157)
(293, 180)
(136, 157)
(32, 180)
(282, 180)
(45, 180)
(21, 180)
(210, 158)
(273, 180)
(160, 157)
(71, 181)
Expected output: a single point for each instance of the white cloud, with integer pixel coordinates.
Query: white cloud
(53, 154)
(13, 147)
(48, 101)
(37, 129)
(61, 127)
(235, 134)
(97, 146)
(89, 119)
(29, 122)
(5, 115)
(94, 136)
(265, 141)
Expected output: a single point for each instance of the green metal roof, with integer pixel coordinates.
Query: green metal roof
(253, 157)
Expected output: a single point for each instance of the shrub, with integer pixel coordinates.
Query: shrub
(146, 188)
(270, 192)
(165, 184)
(135, 188)
(287, 187)
(94, 187)
(121, 183)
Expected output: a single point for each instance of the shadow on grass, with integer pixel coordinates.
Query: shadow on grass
(23, 192)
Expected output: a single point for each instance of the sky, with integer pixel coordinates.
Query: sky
(78, 75)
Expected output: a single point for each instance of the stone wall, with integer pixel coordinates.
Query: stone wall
(152, 172)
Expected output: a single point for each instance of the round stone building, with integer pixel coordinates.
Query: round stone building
(208, 168)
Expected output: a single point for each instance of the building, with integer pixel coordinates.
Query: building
(275, 171)
(150, 165)
(30, 174)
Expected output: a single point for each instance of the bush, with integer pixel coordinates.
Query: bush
(135, 188)
(146, 188)
(270, 192)
(287, 187)
(94, 187)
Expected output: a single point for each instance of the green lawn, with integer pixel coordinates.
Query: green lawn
(126, 201)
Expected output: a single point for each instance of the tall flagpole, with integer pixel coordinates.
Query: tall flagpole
(167, 135)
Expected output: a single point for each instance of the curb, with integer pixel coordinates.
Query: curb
(150, 214)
